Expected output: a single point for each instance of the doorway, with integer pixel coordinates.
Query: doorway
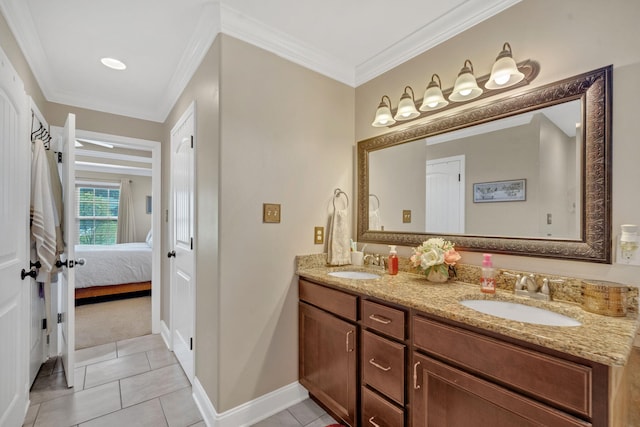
(118, 287)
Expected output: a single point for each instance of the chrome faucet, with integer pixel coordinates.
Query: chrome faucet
(376, 259)
(529, 281)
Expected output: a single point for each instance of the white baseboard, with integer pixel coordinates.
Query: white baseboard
(251, 412)
(165, 333)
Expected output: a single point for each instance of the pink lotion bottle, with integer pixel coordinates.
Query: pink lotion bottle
(488, 280)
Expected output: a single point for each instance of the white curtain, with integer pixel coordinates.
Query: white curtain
(126, 220)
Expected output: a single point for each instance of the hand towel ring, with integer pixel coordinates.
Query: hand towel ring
(375, 197)
(337, 194)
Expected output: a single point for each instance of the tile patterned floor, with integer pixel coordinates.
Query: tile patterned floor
(135, 382)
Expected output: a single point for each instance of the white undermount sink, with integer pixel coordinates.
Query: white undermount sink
(520, 312)
(359, 275)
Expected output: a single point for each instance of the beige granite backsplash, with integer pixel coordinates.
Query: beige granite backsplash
(569, 291)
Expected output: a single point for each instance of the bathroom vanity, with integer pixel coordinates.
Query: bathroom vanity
(400, 351)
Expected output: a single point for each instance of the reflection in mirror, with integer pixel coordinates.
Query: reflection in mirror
(541, 147)
(528, 174)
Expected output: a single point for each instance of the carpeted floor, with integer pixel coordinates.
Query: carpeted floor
(111, 321)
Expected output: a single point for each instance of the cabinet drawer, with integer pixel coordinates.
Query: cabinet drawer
(383, 365)
(340, 303)
(378, 412)
(384, 319)
(553, 380)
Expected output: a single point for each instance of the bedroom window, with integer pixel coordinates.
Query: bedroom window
(97, 214)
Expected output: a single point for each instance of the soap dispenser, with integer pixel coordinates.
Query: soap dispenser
(393, 260)
(488, 280)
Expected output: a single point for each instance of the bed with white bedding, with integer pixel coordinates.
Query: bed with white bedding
(112, 269)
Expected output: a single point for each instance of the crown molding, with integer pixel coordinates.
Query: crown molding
(18, 17)
(252, 31)
(205, 32)
(437, 31)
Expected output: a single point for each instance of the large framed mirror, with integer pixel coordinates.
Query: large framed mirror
(528, 174)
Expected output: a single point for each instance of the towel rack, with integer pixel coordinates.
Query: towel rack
(337, 194)
(375, 197)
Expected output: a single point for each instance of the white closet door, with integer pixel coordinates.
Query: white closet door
(14, 231)
(67, 282)
(181, 243)
(445, 195)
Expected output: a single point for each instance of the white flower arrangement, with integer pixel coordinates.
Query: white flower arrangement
(435, 256)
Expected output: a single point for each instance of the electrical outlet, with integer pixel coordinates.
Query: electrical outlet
(270, 212)
(318, 235)
(406, 216)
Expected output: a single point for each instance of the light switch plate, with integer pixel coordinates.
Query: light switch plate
(318, 235)
(270, 212)
(406, 216)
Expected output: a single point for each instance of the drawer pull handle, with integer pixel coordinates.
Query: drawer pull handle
(372, 423)
(349, 349)
(382, 368)
(380, 319)
(416, 386)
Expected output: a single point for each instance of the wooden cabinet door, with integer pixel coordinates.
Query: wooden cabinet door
(327, 360)
(445, 396)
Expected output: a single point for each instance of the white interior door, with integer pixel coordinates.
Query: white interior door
(181, 241)
(444, 208)
(14, 229)
(67, 278)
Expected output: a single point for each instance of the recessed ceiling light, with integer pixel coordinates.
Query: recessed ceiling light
(113, 63)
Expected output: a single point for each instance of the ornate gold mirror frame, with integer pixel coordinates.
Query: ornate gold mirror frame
(594, 91)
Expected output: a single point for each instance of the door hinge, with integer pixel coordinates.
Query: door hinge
(59, 156)
(44, 323)
(192, 243)
(60, 318)
(190, 343)
(191, 141)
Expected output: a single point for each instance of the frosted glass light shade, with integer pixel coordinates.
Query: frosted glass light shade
(466, 87)
(504, 72)
(383, 114)
(433, 97)
(406, 107)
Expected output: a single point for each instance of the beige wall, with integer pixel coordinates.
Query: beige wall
(140, 189)
(268, 131)
(286, 137)
(566, 38)
(203, 88)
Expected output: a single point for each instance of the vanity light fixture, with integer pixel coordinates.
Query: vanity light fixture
(383, 114)
(433, 97)
(407, 106)
(505, 75)
(466, 87)
(114, 64)
(504, 72)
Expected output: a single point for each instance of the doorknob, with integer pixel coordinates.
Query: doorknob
(31, 273)
(171, 254)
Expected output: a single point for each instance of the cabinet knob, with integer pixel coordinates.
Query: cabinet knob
(380, 319)
(349, 349)
(171, 254)
(374, 424)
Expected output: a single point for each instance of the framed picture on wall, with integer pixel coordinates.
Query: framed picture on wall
(514, 190)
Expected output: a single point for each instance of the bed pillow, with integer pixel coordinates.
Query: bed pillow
(149, 238)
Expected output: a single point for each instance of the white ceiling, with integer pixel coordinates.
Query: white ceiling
(163, 41)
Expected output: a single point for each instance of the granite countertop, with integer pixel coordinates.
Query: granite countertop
(602, 339)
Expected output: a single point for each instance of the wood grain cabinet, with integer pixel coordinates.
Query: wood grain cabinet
(377, 364)
(383, 365)
(328, 349)
(464, 375)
